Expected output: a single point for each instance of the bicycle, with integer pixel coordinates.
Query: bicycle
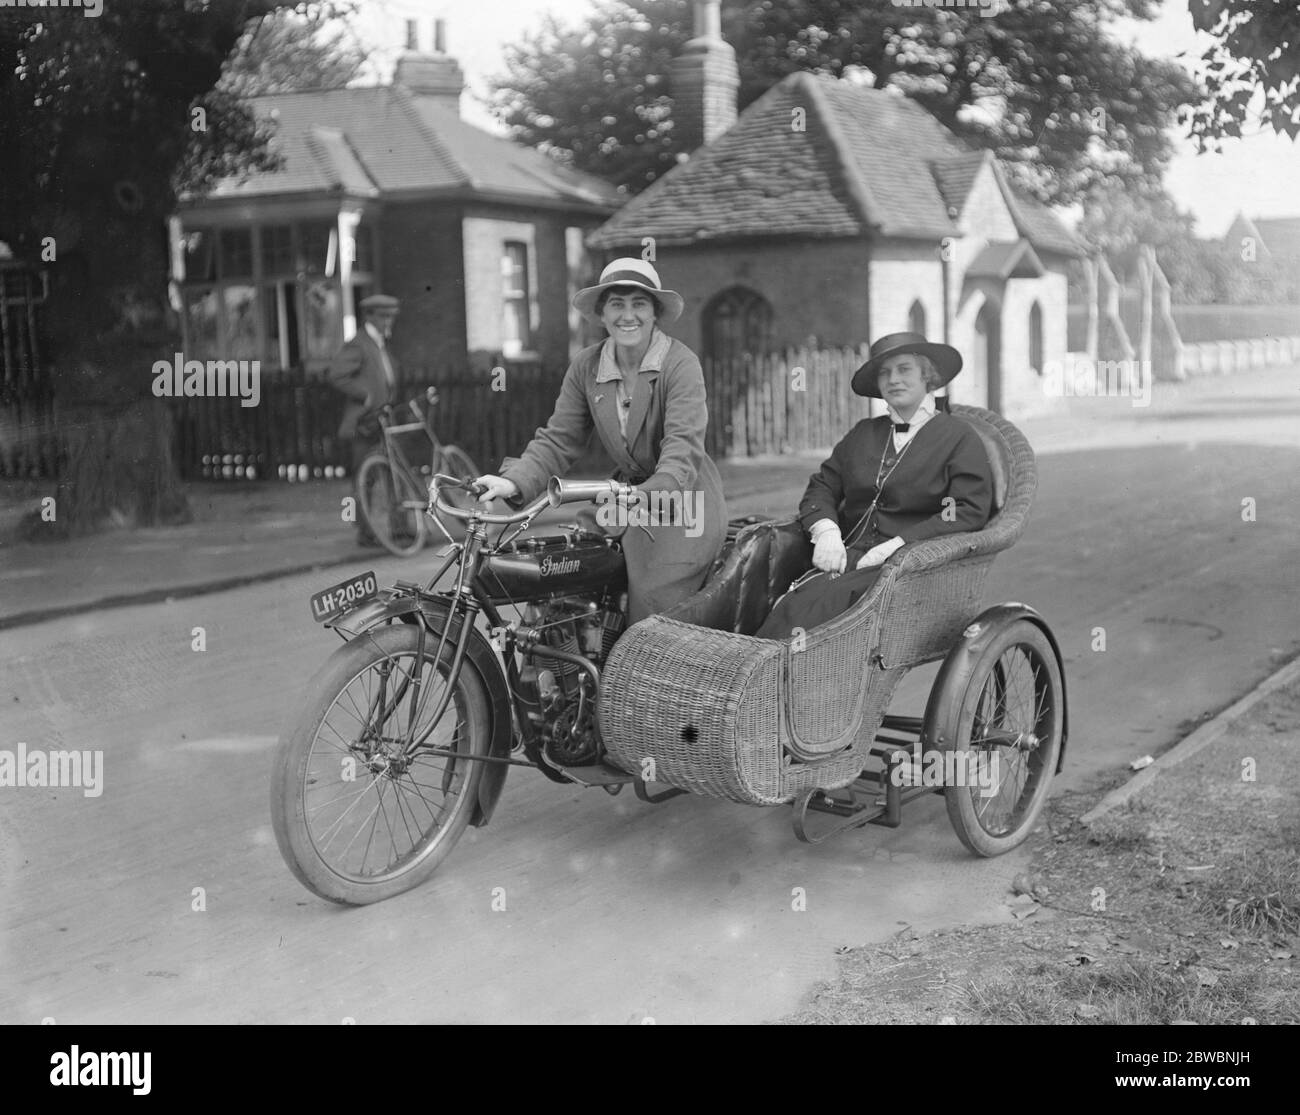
(392, 493)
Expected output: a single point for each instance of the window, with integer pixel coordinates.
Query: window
(316, 251)
(514, 298)
(277, 250)
(916, 318)
(1036, 338)
(200, 260)
(269, 293)
(364, 240)
(236, 253)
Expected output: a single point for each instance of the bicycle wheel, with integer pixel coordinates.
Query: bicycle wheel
(392, 505)
(357, 821)
(456, 462)
(1008, 740)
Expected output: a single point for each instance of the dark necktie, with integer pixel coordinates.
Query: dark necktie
(902, 427)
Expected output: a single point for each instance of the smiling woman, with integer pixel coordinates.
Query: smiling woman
(643, 394)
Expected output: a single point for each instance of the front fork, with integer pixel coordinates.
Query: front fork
(467, 607)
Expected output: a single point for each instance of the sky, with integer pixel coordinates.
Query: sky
(1257, 173)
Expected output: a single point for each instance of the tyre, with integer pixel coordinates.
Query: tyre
(1008, 741)
(456, 462)
(392, 505)
(356, 820)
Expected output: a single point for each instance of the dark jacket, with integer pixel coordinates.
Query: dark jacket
(944, 458)
(358, 371)
(664, 450)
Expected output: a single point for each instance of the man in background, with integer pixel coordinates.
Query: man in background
(365, 372)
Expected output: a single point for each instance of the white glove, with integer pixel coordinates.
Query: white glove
(829, 553)
(498, 487)
(877, 555)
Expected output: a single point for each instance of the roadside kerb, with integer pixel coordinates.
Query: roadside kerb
(1200, 739)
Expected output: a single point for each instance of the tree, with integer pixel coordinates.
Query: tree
(1256, 54)
(106, 119)
(291, 50)
(1065, 106)
(1117, 220)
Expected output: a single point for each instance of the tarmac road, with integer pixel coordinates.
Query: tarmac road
(615, 911)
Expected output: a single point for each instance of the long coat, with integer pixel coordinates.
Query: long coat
(946, 461)
(663, 452)
(358, 371)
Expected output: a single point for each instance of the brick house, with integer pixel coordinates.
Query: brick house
(387, 188)
(833, 209)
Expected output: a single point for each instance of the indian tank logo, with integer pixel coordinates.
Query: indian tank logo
(552, 567)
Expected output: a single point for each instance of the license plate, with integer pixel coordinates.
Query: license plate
(343, 597)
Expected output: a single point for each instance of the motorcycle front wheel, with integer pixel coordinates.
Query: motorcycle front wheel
(358, 819)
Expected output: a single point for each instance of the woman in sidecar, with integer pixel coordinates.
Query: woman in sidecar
(908, 475)
(643, 391)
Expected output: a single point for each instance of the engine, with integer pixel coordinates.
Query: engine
(563, 690)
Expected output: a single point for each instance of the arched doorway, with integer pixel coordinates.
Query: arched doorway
(1036, 338)
(736, 322)
(986, 353)
(916, 318)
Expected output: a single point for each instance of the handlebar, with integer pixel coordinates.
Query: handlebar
(557, 492)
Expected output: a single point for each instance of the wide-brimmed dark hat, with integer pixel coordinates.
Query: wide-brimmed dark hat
(633, 272)
(947, 360)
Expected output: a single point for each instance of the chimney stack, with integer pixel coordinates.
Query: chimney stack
(430, 76)
(704, 81)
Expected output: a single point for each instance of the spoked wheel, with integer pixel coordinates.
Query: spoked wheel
(1008, 740)
(357, 818)
(392, 505)
(456, 462)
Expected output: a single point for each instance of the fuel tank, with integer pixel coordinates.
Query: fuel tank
(557, 565)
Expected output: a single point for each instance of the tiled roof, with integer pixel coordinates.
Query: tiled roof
(386, 139)
(868, 161)
(765, 175)
(956, 174)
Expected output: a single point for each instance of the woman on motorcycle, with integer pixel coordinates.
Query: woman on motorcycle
(643, 392)
(912, 474)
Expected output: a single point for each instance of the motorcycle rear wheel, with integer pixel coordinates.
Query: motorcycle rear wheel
(355, 821)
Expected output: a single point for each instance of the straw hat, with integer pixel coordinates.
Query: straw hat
(630, 272)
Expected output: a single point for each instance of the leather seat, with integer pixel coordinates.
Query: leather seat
(748, 578)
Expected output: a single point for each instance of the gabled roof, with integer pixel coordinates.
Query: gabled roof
(1281, 235)
(865, 162)
(384, 140)
(1006, 259)
(956, 175)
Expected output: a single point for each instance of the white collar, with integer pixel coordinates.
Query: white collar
(924, 412)
(375, 335)
(652, 361)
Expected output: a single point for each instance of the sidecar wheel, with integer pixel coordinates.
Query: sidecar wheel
(1009, 737)
(355, 822)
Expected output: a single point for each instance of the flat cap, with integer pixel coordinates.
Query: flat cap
(380, 302)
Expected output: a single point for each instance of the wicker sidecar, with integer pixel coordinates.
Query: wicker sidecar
(693, 700)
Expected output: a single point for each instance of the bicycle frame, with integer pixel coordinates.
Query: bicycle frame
(393, 450)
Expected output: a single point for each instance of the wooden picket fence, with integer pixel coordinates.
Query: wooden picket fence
(774, 403)
(782, 402)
